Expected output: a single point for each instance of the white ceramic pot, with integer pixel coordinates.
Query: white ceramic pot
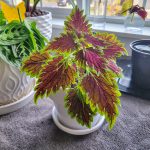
(64, 117)
(44, 24)
(13, 85)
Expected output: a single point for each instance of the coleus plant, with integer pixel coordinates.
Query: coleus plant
(138, 10)
(83, 64)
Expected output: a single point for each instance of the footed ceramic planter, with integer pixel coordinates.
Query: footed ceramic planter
(63, 120)
(44, 24)
(13, 85)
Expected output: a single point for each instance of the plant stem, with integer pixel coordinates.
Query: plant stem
(19, 15)
(132, 17)
(34, 6)
(27, 3)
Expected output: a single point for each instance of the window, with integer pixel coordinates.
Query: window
(148, 8)
(57, 3)
(108, 9)
(59, 8)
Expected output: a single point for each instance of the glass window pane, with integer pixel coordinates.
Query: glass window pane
(56, 3)
(97, 7)
(148, 9)
(114, 7)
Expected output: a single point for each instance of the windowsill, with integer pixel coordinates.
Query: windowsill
(117, 29)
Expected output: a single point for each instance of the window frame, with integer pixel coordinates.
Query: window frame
(85, 5)
(62, 12)
(113, 19)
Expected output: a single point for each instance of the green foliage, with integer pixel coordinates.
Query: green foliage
(84, 63)
(18, 40)
(125, 6)
(2, 19)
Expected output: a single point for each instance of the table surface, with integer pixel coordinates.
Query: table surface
(31, 128)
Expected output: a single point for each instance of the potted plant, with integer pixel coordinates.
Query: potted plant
(135, 19)
(140, 64)
(18, 39)
(32, 13)
(79, 71)
(41, 17)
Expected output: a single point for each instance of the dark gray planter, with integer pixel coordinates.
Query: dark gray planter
(141, 63)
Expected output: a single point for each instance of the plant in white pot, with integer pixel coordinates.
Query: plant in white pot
(17, 40)
(80, 75)
(41, 17)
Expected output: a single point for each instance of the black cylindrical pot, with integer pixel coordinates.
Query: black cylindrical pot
(141, 63)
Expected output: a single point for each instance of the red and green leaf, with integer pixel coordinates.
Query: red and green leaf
(64, 43)
(139, 10)
(91, 58)
(55, 74)
(75, 101)
(94, 40)
(103, 94)
(33, 64)
(113, 47)
(77, 22)
(114, 68)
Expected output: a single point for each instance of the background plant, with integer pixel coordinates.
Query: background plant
(32, 10)
(18, 39)
(2, 19)
(84, 65)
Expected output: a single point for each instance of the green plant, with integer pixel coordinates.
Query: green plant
(18, 40)
(84, 65)
(2, 19)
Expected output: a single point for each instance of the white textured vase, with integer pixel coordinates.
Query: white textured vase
(13, 84)
(63, 115)
(44, 24)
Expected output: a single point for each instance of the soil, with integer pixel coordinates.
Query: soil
(36, 13)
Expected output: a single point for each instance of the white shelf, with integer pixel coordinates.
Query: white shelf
(117, 29)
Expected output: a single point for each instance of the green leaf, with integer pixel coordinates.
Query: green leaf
(2, 19)
(18, 40)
